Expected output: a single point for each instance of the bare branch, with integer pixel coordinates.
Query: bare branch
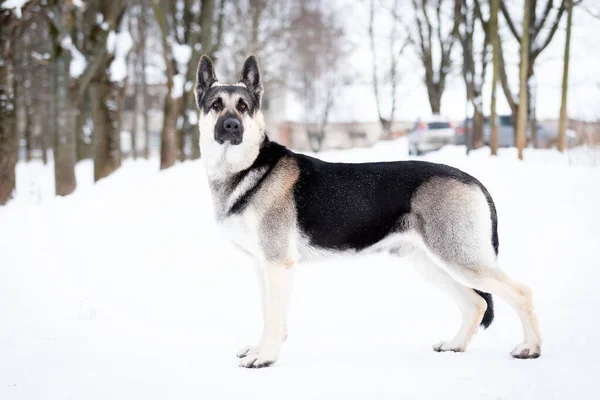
(540, 23)
(510, 22)
(553, 29)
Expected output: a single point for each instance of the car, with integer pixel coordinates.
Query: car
(431, 133)
(505, 131)
(546, 135)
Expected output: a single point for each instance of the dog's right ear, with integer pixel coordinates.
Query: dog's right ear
(204, 79)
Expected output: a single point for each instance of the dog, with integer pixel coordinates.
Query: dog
(279, 206)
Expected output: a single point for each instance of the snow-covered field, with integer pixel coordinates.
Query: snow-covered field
(125, 290)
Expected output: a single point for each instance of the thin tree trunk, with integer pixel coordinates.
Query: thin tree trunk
(168, 149)
(495, 71)
(562, 125)
(107, 157)
(82, 146)
(28, 130)
(531, 111)
(64, 122)
(135, 126)
(8, 118)
(143, 24)
(522, 115)
(136, 91)
(478, 122)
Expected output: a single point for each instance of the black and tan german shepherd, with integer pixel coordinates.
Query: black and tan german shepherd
(279, 206)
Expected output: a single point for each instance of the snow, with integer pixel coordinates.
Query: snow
(126, 289)
(16, 5)
(78, 63)
(181, 54)
(178, 84)
(120, 44)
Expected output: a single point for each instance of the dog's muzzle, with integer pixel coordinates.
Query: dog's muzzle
(229, 128)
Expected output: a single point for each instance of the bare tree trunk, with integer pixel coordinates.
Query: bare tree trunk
(562, 125)
(522, 115)
(8, 118)
(107, 157)
(64, 121)
(168, 149)
(136, 91)
(478, 122)
(435, 98)
(143, 25)
(82, 146)
(135, 126)
(28, 130)
(210, 44)
(531, 104)
(495, 66)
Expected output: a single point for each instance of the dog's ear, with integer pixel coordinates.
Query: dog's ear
(251, 78)
(205, 77)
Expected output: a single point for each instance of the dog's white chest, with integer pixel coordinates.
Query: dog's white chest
(242, 231)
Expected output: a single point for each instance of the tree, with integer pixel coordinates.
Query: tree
(536, 43)
(495, 39)
(440, 46)
(143, 21)
(319, 52)
(89, 56)
(396, 48)
(8, 120)
(474, 68)
(562, 126)
(63, 117)
(186, 32)
(210, 41)
(523, 92)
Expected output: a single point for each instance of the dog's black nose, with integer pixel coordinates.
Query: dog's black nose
(231, 124)
(229, 129)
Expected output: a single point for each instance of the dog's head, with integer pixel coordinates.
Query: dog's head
(230, 120)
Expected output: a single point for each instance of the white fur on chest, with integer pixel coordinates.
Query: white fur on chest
(242, 230)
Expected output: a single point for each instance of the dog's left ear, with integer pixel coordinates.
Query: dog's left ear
(205, 77)
(251, 78)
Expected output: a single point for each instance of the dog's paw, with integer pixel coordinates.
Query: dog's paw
(448, 346)
(256, 361)
(526, 350)
(246, 351)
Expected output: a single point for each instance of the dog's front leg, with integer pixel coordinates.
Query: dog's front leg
(278, 285)
(260, 275)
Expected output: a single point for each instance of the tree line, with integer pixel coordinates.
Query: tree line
(65, 66)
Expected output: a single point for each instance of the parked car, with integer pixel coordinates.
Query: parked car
(430, 134)
(546, 135)
(505, 131)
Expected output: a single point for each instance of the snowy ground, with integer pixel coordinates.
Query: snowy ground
(124, 290)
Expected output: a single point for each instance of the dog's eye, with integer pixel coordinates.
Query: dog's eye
(242, 106)
(216, 104)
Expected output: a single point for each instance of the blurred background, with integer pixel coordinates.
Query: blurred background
(96, 82)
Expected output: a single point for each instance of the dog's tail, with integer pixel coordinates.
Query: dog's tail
(488, 317)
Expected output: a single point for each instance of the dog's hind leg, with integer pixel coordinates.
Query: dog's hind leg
(517, 295)
(471, 305)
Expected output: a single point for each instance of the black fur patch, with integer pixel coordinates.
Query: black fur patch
(353, 206)
(488, 316)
